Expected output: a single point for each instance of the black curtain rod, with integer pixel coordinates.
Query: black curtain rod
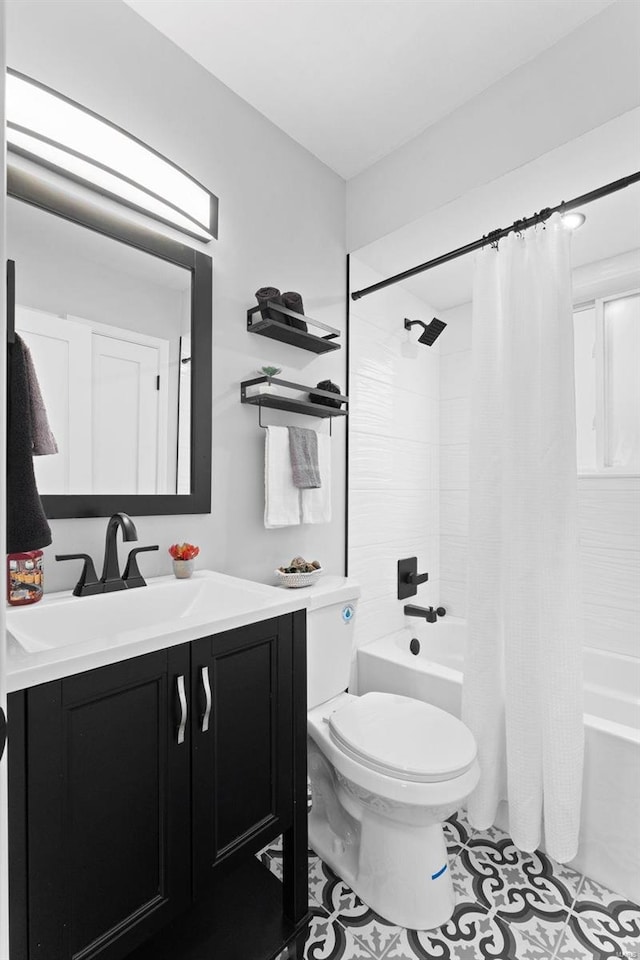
(496, 235)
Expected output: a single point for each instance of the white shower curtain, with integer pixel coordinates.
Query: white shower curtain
(522, 694)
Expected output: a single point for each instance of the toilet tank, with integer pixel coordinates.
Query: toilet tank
(331, 623)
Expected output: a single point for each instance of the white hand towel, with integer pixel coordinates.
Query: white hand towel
(316, 503)
(281, 497)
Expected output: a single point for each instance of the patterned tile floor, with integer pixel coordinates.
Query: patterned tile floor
(509, 906)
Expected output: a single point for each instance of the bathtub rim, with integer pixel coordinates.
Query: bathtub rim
(422, 664)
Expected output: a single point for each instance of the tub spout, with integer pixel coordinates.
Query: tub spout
(428, 613)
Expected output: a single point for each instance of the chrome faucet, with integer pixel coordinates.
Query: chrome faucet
(88, 584)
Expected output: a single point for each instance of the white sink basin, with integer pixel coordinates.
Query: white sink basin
(163, 607)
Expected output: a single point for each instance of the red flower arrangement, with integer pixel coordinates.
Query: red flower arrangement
(184, 551)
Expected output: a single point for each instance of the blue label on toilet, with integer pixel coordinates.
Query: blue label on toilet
(348, 613)
(438, 873)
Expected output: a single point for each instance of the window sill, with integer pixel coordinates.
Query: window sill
(610, 481)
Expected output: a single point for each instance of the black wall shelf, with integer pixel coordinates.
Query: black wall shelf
(278, 401)
(279, 330)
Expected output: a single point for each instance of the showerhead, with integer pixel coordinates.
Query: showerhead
(431, 330)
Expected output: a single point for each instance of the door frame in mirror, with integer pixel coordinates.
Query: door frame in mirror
(24, 186)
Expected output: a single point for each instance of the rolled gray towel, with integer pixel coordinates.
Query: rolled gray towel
(266, 294)
(293, 301)
(326, 401)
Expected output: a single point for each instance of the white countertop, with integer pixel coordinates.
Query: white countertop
(219, 603)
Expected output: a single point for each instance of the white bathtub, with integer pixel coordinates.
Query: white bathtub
(609, 849)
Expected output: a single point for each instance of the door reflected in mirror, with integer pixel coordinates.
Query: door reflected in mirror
(109, 329)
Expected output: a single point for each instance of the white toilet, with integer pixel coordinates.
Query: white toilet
(385, 772)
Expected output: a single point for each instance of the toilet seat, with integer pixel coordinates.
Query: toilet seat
(403, 738)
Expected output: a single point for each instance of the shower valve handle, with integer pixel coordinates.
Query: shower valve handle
(408, 578)
(417, 578)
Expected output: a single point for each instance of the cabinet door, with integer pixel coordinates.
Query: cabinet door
(108, 787)
(242, 741)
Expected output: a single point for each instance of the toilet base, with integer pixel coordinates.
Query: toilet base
(403, 875)
(399, 869)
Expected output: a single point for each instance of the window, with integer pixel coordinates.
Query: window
(607, 352)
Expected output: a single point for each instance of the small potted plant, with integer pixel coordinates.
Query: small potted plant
(268, 371)
(268, 387)
(183, 555)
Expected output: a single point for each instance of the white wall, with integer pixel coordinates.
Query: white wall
(578, 84)
(609, 508)
(281, 223)
(393, 455)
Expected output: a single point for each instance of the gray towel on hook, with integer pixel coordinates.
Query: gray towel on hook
(303, 450)
(27, 527)
(44, 442)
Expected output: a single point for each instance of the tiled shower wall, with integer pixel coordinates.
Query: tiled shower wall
(609, 514)
(394, 453)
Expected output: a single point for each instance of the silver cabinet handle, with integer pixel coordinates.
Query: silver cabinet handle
(204, 672)
(183, 709)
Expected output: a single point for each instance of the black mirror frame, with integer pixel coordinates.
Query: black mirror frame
(22, 185)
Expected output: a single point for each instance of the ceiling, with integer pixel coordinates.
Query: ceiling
(352, 80)
(612, 227)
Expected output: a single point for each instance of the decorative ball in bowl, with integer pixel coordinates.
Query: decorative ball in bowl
(299, 573)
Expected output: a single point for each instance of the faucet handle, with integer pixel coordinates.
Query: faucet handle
(88, 583)
(132, 576)
(415, 579)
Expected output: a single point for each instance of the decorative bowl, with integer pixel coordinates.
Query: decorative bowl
(298, 579)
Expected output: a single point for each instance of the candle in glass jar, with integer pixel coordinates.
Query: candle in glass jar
(25, 580)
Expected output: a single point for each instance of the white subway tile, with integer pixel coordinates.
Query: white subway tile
(453, 558)
(454, 421)
(390, 357)
(386, 463)
(380, 408)
(376, 516)
(609, 628)
(454, 466)
(377, 618)
(453, 597)
(611, 577)
(609, 519)
(457, 336)
(387, 307)
(454, 513)
(455, 375)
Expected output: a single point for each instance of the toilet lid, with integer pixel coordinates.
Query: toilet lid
(403, 738)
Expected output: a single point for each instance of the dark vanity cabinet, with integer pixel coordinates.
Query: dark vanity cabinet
(107, 799)
(131, 784)
(242, 741)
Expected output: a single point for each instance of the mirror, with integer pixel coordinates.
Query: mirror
(105, 324)
(110, 315)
